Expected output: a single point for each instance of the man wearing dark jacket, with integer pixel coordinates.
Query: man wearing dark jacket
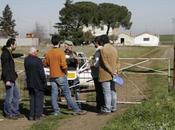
(9, 76)
(35, 83)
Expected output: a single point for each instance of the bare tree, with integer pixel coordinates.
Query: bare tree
(39, 32)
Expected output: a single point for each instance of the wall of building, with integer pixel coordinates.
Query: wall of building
(128, 40)
(142, 40)
(22, 41)
(96, 31)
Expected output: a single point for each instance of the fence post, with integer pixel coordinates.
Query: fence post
(169, 74)
(174, 70)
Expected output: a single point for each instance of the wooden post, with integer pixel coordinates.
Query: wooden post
(174, 70)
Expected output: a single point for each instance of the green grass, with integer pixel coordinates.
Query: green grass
(49, 123)
(157, 113)
(167, 39)
(164, 38)
(132, 52)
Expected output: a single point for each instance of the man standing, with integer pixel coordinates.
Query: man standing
(56, 61)
(95, 74)
(9, 76)
(72, 63)
(36, 81)
(109, 65)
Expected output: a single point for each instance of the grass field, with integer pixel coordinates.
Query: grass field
(167, 39)
(154, 114)
(133, 116)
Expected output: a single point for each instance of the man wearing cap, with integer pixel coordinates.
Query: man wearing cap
(36, 81)
(72, 63)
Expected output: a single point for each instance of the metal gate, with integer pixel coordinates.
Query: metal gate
(134, 69)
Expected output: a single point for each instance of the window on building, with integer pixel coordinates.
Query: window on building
(146, 39)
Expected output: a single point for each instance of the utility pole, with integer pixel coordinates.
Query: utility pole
(173, 41)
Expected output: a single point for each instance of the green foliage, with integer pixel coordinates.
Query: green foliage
(114, 16)
(7, 24)
(75, 16)
(87, 36)
(155, 114)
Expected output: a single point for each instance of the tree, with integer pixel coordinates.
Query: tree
(114, 16)
(72, 19)
(39, 32)
(7, 24)
(68, 2)
(87, 36)
(75, 16)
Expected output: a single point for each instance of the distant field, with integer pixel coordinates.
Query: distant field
(167, 39)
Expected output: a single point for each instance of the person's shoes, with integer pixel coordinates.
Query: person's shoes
(43, 115)
(20, 116)
(38, 118)
(98, 110)
(30, 118)
(81, 112)
(113, 110)
(104, 113)
(55, 113)
(11, 117)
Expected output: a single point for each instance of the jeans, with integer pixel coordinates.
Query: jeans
(76, 91)
(63, 83)
(110, 96)
(11, 102)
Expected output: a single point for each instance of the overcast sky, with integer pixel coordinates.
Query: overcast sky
(153, 16)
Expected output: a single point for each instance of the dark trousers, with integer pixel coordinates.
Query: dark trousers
(36, 103)
(99, 94)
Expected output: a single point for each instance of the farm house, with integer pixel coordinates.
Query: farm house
(146, 39)
(143, 39)
(125, 39)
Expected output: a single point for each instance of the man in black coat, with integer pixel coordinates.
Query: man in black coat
(9, 76)
(36, 81)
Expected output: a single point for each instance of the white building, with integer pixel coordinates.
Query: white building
(146, 39)
(22, 41)
(143, 39)
(96, 31)
(125, 39)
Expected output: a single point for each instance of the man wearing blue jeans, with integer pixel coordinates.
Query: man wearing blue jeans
(56, 61)
(11, 102)
(109, 65)
(63, 83)
(9, 76)
(110, 96)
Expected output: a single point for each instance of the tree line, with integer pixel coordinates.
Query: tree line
(73, 17)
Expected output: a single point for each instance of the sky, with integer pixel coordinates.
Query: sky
(154, 16)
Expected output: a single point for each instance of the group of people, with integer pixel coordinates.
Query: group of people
(104, 66)
(55, 59)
